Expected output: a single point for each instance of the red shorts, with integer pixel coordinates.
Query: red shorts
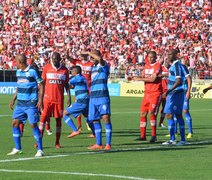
(150, 102)
(53, 109)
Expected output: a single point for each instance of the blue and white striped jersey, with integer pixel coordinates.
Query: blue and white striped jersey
(175, 71)
(27, 89)
(80, 88)
(99, 87)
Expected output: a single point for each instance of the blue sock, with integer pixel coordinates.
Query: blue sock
(38, 137)
(98, 133)
(70, 123)
(182, 129)
(90, 124)
(108, 129)
(17, 137)
(171, 129)
(189, 122)
(175, 124)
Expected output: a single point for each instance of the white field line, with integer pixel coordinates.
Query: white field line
(100, 152)
(74, 173)
(128, 112)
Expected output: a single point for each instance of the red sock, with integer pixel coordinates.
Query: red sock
(58, 130)
(21, 126)
(143, 121)
(153, 124)
(48, 124)
(79, 121)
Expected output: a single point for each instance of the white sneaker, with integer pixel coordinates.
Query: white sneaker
(49, 132)
(14, 152)
(39, 153)
(169, 142)
(162, 125)
(181, 143)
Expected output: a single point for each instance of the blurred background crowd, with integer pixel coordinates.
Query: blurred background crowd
(123, 30)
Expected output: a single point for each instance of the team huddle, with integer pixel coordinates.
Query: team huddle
(45, 94)
(168, 84)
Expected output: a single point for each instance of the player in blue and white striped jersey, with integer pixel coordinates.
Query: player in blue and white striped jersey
(29, 102)
(79, 83)
(175, 98)
(99, 104)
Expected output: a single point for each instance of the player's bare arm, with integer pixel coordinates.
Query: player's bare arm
(176, 84)
(11, 104)
(40, 97)
(188, 93)
(207, 89)
(151, 78)
(67, 87)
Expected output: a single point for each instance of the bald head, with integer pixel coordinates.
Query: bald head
(172, 55)
(21, 58)
(56, 59)
(21, 61)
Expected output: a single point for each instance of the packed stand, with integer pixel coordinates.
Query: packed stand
(123, 30)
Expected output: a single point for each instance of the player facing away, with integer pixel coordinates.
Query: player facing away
(80, 106)
(29, 102)
(55, 77)
(187, 83)
(164, 75)
(99, 104)
(86, 66)
(152, 96)
(175, 98)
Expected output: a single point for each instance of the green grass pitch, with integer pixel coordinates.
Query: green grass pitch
(128, 159)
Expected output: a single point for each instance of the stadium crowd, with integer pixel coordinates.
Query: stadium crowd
(123, 30)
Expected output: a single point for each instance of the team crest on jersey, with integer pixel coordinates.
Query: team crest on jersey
(104, 107)
(175, 108)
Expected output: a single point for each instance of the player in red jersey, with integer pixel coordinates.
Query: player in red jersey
(164, 75)
(86, 67)
(152, 95)
(55, 78)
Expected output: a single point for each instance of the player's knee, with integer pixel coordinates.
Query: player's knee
(106, 118)
(143, 114)
(15, 123)
(65, 113)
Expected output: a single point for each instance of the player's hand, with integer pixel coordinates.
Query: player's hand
(188, 95)
(205, 90)
(11, 105)
(164, 95)
(40, 106)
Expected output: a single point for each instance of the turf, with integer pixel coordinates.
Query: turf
(128, 159)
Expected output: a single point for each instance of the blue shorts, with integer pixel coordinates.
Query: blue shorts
(97, 111)
(24, 113)
(78, 108)
(174, 103)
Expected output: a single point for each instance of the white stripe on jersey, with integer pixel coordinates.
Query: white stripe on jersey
(56, 76)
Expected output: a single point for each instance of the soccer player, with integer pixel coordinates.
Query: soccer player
(79, 84)
(187, 83)
(175, 98)
(207, 89)
(55, 78)
(99, 104)
(29, 102)
(152, 95)
(86, 67)
(164, 75)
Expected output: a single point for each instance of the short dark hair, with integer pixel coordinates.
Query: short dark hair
(78, 68)
(153, 52)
